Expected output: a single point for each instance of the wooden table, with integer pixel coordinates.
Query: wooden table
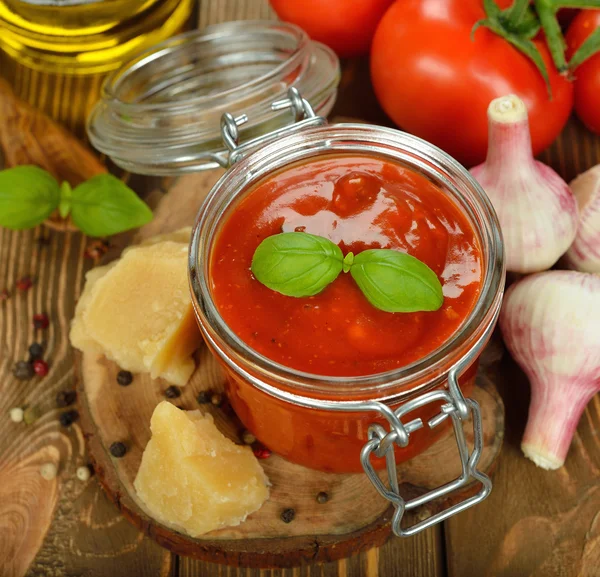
(535, 523)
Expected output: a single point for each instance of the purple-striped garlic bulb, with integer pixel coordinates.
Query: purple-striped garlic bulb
(536, 208)
(551, 326)
(584, 253)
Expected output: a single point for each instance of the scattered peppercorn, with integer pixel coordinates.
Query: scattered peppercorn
(124, 378)
(35, 351)
(287, 515)
(40, 367)
(248, 438)
(96, 249)
(23, 371)
(24, 283)
(4, 295)
(322, 497)
(261, 452)
(41, 321)
(83, 473)
(217, 400)
(204, 397)
(16, 415)
(68, 418)
(118, 450)
(65, 398)
(48, 471)
(172, 392)
(31, 415)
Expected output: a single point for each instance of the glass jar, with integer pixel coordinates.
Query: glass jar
(347, 424)
(159, 115)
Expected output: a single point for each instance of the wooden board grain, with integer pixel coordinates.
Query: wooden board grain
(354, 518)
(60, 526)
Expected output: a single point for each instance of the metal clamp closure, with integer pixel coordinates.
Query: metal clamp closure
(304, 116)
(381, 443)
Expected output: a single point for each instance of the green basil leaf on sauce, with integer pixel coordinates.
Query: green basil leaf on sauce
(396, 282)
(28, 196)
(297, 264)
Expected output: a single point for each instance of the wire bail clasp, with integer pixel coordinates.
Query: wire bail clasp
(381, 443)
(303, 114)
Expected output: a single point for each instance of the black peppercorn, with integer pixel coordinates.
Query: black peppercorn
(35, 351)
(172, 392)
(124, 378)
(322, 497)
(65, 398)
(204, 397)
(68, 418)
(287, 515)
(118, 450)
(23, 371)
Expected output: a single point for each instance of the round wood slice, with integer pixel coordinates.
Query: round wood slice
(355, 517)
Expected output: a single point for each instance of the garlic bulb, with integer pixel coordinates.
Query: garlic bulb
(584, 253)
(551, 326)
(536, 208)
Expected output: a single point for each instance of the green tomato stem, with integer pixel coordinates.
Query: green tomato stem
(521, 40)
(546, 10)
(516, 13)
(587, 49)
(576, 4)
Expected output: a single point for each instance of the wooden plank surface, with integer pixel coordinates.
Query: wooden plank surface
(534, 523)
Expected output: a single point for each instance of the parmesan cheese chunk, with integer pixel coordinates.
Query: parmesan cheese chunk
(194, 479)
(138, 313)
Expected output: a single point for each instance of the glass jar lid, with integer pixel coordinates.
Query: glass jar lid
(160, 113)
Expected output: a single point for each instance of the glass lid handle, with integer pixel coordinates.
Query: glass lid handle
(303, 113)
(382, 443)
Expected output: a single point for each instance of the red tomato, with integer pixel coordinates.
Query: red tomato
(346, 26)
(433, 81)
(587, 75)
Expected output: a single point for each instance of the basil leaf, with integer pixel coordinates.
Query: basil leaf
(28, 196)
(297, 264)
(396, 282)
(104, 205)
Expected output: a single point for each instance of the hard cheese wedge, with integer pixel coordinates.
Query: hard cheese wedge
(138, 312)
(194, 479)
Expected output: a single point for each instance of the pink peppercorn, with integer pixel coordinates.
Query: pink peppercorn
(24, 283)
(40, 367)
(261, 452)
(41, 321)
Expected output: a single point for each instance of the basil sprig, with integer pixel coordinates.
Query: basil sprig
(299, 264)
(101, 206)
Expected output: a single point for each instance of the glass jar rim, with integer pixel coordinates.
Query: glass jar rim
(160, 113)
(414, 153)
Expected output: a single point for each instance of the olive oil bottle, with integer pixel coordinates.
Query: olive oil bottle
(56, 53)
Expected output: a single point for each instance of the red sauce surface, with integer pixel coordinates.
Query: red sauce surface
(358, 202)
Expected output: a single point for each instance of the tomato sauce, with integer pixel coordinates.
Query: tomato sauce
(358, 202)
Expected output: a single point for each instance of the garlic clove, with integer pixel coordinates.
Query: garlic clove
(536, 209)
(551, 326)
(584, 253)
